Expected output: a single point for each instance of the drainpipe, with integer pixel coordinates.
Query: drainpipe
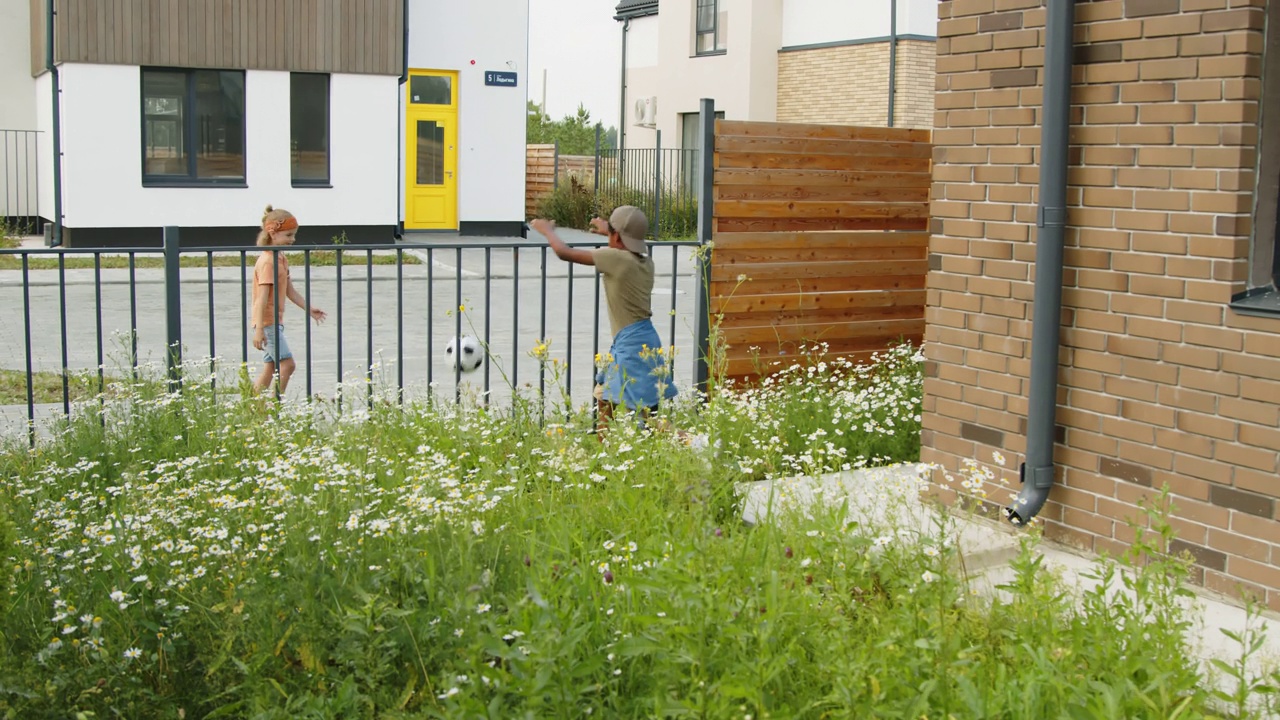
(52, 67)
(400, 119)
(622, 94)
(893, 55)
(1038, 470)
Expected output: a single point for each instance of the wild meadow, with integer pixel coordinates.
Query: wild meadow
(188, 555)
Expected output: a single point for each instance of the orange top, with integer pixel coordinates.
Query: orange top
(264, 275)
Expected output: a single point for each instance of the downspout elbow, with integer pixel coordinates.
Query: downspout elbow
(1038, 470)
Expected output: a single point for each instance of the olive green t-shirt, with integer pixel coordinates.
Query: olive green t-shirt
(628, 285)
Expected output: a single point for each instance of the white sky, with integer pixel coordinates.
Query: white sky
(580, 45)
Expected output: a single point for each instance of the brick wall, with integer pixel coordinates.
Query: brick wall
(1160, 381)
(849, 85)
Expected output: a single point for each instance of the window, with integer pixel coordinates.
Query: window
(707, 27)
(192, 127)
(309, 128)
(1262, 293)
(431, 90)
(690, 168)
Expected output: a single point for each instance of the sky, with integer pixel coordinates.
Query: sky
(580, 45)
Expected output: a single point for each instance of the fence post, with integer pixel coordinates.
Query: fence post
(173, 306)
(705, 191)
(555, 167)
(657, 185)
(597, 172)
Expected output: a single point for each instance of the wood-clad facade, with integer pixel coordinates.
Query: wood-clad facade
(326, 36)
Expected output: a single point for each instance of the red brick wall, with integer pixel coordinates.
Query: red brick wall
(1160, 381)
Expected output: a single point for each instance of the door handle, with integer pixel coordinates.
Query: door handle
(448, 173)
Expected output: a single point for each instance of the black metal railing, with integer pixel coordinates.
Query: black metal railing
(20, 183)
(661, 181)
(99, 314)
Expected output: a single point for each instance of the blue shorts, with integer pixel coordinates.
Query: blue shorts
(269, 354)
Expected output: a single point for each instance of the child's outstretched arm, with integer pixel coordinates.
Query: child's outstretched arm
(316, 313)
(547, 229)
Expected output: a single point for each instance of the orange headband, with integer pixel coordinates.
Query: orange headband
(289, 223)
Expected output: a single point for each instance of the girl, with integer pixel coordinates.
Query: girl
(279, 227)
(634, 374)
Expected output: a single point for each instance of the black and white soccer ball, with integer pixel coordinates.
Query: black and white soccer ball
(471, 355)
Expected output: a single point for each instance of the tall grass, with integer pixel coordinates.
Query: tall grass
(208, 558)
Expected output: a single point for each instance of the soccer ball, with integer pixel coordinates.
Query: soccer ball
(471, 356)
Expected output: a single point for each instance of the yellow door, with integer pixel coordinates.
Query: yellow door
(431, 155)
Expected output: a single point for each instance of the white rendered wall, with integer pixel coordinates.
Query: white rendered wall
(102, 166)
(17, 87)
(743, 80)
(44, 123)
(18, 150)
(811, 22)
(642, 42)
(491, 120)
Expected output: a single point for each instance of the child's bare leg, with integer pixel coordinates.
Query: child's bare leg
(604, 413)
(287, 366)
(264, 377)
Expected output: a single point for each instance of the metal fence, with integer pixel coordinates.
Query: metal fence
(661, 181)
(102, 314)
(20, 183)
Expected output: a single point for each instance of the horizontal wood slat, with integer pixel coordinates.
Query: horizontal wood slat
(802, 224)
(810, 286)
(782, 335)
(832, 300)
(838, 269)
(814, 240)
(806, 209)
(754, 256)
(798, 161)
(813, 178)
(821, 146)
(821, 236)
(328, 36)
(863, 193)
(801, 130)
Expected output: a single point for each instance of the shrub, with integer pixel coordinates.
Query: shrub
(573, 203)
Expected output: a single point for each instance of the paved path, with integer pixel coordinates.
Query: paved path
(403, 330)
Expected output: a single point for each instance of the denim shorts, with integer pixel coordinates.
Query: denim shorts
(269, 354)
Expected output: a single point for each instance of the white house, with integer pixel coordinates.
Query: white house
(822, 61)
(363, 117)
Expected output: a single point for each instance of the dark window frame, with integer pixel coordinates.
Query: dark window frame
(325, 182)
(699, 31)
(190, 133)
(1262, 294)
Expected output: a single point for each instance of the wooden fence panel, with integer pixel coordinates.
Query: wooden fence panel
(820, 237)
(541, 169)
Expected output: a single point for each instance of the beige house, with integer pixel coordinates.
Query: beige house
(820, 61)
(1167, 347)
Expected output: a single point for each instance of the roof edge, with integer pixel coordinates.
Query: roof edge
(629, 9)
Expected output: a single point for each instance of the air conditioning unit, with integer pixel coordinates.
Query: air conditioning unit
(647, 112)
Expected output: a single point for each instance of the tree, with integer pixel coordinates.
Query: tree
(575, 134)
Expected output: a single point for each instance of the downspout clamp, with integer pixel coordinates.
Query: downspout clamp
(1038, 470)
(52, 67)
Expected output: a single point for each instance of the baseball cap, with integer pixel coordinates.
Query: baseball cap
(631, 224)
